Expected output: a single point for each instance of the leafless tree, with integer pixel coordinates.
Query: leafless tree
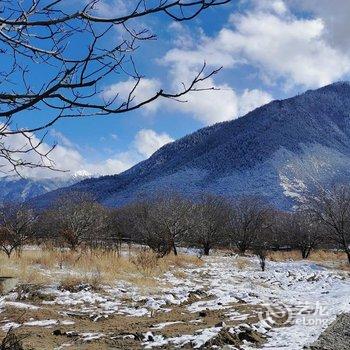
(147, 229)
(57, 56)
(210, 216)
(119, 227)
(276, 223)
(303, 232)
(163, 222)
(247, 218)
(262, 245)
(75, 218)
(174, 212)
(332, 209)
(16, 222)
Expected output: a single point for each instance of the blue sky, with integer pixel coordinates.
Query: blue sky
(268, 49)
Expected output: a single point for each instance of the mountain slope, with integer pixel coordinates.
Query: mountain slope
(13, 188)
(275, 151)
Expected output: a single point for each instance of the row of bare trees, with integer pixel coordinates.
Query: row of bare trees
(170, 220)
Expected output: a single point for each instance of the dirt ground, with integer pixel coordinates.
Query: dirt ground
(223, 300)
(119, 331)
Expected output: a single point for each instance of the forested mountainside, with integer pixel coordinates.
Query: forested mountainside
(277, 151)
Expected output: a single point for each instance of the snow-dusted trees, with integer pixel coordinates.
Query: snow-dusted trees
(16, 223)
(331, 208)
(248, 217)
(210, 216)
(76, 219)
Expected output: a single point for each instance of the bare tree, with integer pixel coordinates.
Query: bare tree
(163, 222)
(267, 235)
(16, 222)
(303, 232)
(210, 217)
(277, 229)
(147, 229)
(75, 218)
(75, 47)
(247, 218)
(262, 245)
(119, 227)
(173, 211)
(332, 209)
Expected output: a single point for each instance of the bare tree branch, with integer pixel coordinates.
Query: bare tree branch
(78, 55)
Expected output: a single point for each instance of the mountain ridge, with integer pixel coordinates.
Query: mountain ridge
(21, 189)
(273, 151)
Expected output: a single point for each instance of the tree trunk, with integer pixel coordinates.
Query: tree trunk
(206, 249)
(174, 249)
(262, 263)
(242, 248)
(348, 255)
(308, 251)
(303, 253)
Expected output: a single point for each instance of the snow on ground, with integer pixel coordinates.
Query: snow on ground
(310, 295)
(299, 298)
(20, 305)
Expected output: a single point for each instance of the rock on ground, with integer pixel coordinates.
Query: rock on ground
(335, 337)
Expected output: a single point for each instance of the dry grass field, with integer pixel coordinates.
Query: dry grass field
(96, 299)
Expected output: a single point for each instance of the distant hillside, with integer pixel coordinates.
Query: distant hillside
(13, 188)
(276, 151)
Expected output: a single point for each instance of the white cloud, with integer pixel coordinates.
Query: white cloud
(286, 47)
(251, 99)
(277, 6)
(283, 48)
(182, 36)
(114, 165)
(147, 141)
(66, 156)
(334, 14)
(62, 139)
(210, 106)
(146, 89)
(112, 8)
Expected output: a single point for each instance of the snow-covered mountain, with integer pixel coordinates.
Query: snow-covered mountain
(14, 188)
(276, 151)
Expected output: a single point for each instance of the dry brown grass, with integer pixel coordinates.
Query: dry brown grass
(318, 255)
(327, 255)
(344, 266)
(284, 256)
(74, 283)
(242, 263)
(93, 267)
(182, 260)
(146, 262)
